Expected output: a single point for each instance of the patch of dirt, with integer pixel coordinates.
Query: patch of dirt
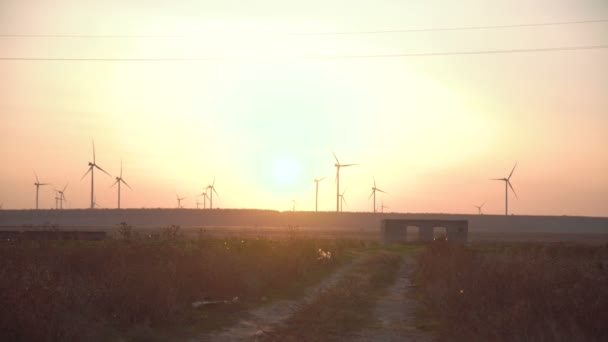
(262, 320)
(395, 312)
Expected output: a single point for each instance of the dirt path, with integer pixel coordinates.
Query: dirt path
(262, 319)
(395, 312)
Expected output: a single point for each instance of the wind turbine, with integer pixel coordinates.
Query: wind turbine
(211, 189)
(92, 167)
(382, 206)
(507, 186)
(197, 203)
(118, 181)
(338, 166)
(374, 189)
(179, 201)
(38, 185)
(317, 191)
(294, 205)
(342, 199)
(61, 197)
(479, 208)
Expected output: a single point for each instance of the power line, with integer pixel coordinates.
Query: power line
(418, 54)
(463, 28)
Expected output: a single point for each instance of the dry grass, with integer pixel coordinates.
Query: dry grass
(81, 290)
(517, 293)
(344, 308)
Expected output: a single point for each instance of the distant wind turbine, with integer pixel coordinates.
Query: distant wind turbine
(374, 189)
(342, 199)
(507, 186)
(118, 181)
(92, 167)
(382, 206)
(338, 166)
(179, 201)
(294, 205)
(211, 189)
(198, 203)
(38, 185)
(479, 208)
(61, 194)
(317, 192)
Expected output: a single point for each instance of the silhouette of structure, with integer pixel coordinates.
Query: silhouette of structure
(92, 167)
(479, 208)
(507, 186)
(61, 196)
(118, 181)
(211, 189)
(342, 199)
(395, 230)
(179, 201)
(38, 185)
(338, 166)
(374, 189)
(317, 193)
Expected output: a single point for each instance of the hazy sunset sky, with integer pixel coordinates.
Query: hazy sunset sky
(265, 120)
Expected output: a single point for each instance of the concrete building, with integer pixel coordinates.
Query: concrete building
(396, 230)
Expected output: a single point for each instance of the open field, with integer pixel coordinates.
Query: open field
(532, 292)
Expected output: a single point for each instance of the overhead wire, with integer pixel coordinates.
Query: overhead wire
(371, 32)
(252, 58)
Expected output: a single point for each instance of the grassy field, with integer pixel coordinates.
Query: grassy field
(142, 288)
(525, 292)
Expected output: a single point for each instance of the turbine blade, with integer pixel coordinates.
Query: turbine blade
(125, 183)
(218, 195)
(345, 165)
(511, 186)
(102, 170)
(322, 178)
(374, 181)
(93, 143)
(482, 204)
(335, 157)
(511, 174)
(500, 179)
(89, 170)
(65, 187)
(213, 184)
(35, 175)
(116, 182)
(120, 168)
(381, 191)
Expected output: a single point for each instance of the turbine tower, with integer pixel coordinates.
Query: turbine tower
(382, 206)
(507, 186)
(479, 208)
(120, 180)
(317, 192)
(211, 189)
(342, 199)
(92, 167)
(179, 201)
(338, 166)
(205, 197)
(61, 196)
(374, 189)
(38, 185)
(294, 205)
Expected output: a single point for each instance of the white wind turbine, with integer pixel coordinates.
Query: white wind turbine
(92, 167)
(61, 196)
(118, 181)
(211, 189)
(338, 166)
(479, 208)
(38, 185)
(374, 189)
(382, 206)
(342, 199)
(179, 201)
(317, 192)
(507, 186)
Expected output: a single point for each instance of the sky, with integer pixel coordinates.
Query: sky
(264, 115)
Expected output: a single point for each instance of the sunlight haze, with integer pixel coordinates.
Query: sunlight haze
(264, 117)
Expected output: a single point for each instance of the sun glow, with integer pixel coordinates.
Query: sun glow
(284, 171)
